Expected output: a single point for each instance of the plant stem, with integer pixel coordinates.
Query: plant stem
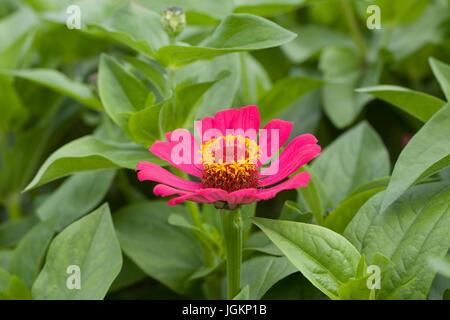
(13, 207)
(232, 234)
(354, 29)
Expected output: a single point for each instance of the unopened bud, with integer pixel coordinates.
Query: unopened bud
(173, 21)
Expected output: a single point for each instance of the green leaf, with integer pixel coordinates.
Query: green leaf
(14, 114)
(89, 153)
(154, 73)
(292, 211)
(11, 231)
(30, 252)
(244, 294)
(147, 125)
(442, 73)
(254, 80)
(16, 35)
(258, 241)
(343, 74)
(407, 39)
(408, 233)
(440, 265)
(355, 158)
(120, 91)
(180, 110)
(60, 83)
(314, 198)
(324, 257)
(418, 104)
(266, 7)
(237, 32)
(146, 237)
(340, 217)
(5, 258)
(197, 11)
(222, 93)
(129, 275)
(91, 244)
(77, 196)
(283, 93)
(312, 39)
(130, 25)
(426, 153)
(262, 272)
(12, 288)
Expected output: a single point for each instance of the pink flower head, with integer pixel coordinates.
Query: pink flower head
(233, 165)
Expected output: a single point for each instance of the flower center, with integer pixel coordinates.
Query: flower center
(229, 163)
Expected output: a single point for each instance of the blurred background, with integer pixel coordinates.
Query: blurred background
(310, 80)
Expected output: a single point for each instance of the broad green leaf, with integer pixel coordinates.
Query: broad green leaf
(130, 25)
(401, 11)
(442, 73)
(91, 244)
(16, 35)
(222, 93)
(355, 158)
(314, 198)
(340, 217)
(129, 275)
(237, 32)
(178, 111)
(146, 237)
(12, 287)
(292, 211)
(342, 74)
(312, 39)
(258, 241)
(284, 93)
(406, 39)
(254, 80)
(261, 273)
(14, 114)
(408, 233)
(60, 83)
(244, 294)
(324, 257)
(30, 252)
(154, 73)
(266, 7)
(11, 231)
(426, 153)
(120, 91)
(89, 153)
(418, 104)
(5, 258)
(440, 265)
(78, 195)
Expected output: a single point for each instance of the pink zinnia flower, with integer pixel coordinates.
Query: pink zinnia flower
(230, 165)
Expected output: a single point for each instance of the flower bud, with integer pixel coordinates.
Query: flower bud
(173, 21)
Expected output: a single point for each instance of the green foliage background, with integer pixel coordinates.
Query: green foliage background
(79, 109)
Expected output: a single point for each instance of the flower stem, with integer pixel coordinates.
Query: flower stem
(232, 234)
(354, 29)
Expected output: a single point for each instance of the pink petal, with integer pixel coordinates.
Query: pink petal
(284, 130)
(153, 172)
(299, 151)
(244, 119)
(207, 195)
(243, 196)
(299, 180)
(163, 150)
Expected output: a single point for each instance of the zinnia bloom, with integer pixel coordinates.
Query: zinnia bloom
(232, 166)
